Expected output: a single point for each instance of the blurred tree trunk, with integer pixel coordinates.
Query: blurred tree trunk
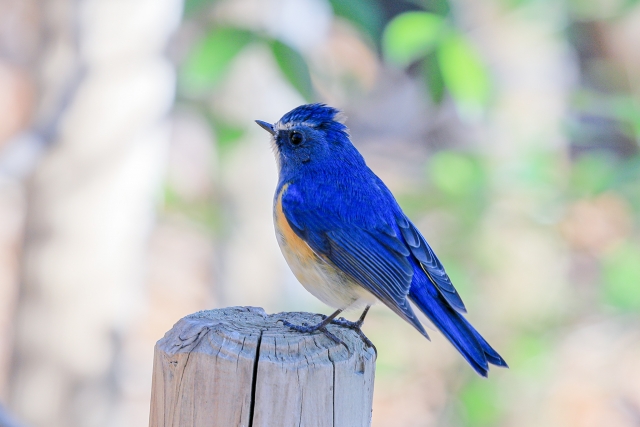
(105, 89)
(18, 49)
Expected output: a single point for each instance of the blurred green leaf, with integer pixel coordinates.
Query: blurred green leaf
(363, 13)
(226, 133)
(514, 4)
(464, 74)
(209, 60)
(629, 4)
(480, 403)
(191, 7)
(410, 36)
(626, 183)
(455, 174)
(538, 169)
(621, 278)
(529, 353)
(627, 109)
(440, 7)
(589, 10)
(202, 212)
(592, 174)
(433, 77)
(294, 68)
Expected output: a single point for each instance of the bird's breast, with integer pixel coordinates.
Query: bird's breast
(288, 238)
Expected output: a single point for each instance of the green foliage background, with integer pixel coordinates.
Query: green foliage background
(427, 41)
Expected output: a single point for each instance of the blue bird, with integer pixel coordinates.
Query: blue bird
(348, 242)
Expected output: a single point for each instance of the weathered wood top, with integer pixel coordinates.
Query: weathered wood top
(240, 366)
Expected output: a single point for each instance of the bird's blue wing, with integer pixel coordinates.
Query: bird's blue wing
(429, 262)
(370, 254)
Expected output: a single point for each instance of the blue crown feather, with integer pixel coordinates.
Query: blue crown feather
(319, 116)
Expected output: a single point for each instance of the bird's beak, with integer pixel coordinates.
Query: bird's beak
(266, 126)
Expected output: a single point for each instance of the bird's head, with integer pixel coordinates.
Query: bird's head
(310, 134)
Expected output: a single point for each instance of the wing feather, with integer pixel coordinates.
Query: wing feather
(430, 263)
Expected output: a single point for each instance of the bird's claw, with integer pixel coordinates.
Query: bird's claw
(341, 321)
(366, 341)
(306, 329)
(354, 326)
(334, 338)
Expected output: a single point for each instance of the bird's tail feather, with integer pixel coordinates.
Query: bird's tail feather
(454, 326)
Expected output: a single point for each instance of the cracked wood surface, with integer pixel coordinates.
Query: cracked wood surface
(239, 366)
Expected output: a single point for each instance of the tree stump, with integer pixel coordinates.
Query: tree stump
(239, 366)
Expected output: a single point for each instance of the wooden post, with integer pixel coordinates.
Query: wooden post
(239, 366)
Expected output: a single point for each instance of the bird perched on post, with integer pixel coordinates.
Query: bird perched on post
(348, 242)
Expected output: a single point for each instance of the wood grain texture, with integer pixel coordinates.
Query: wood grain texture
(239, 366)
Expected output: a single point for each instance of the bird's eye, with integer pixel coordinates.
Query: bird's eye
(295, 138)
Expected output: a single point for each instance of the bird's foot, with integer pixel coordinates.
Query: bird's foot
(307, 329)
(341, 321)
(354, 326)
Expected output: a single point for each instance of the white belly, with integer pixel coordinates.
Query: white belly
(324, 281)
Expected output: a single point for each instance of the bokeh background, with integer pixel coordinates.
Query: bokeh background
(136, 189)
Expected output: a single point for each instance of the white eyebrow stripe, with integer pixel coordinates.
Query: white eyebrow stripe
(286, 126)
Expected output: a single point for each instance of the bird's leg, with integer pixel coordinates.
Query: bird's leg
(322, 327)
(355, 326)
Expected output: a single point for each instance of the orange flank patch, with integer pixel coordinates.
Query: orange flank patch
(293, 243)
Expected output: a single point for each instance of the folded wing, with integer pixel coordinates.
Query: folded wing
(373, 256)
